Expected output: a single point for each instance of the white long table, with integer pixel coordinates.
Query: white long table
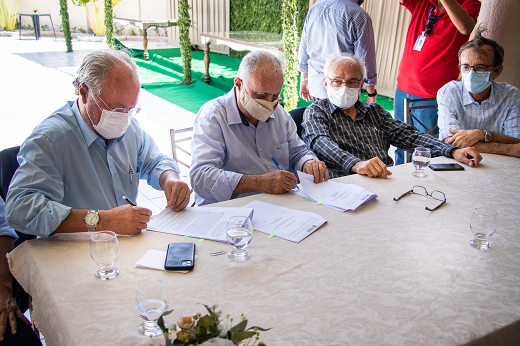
(386, 274)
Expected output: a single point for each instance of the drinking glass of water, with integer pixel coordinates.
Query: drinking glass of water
(421, 159)
(104, 250)
(483, 225)
(151, 300)
(239, 234)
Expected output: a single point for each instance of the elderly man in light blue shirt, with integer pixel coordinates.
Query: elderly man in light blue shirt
(335, 27)
(245, 142)
(478, 111)
(78, 163)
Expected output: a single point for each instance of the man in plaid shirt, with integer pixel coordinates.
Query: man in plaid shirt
(354, 137)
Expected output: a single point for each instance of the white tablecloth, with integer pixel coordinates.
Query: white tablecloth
(386, 274)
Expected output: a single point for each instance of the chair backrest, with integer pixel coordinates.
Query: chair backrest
(8, 165)
(297, 115)
(408, 116)
(175, 144)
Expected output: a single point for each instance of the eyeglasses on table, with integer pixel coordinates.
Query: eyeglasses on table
(421, 190)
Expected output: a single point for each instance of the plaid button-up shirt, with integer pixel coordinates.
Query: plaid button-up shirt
(341, 142)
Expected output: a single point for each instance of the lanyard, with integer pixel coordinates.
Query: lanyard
(430, 22)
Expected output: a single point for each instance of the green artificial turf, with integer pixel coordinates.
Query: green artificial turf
(162, 73)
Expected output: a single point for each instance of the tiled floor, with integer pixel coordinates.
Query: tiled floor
(37, 79)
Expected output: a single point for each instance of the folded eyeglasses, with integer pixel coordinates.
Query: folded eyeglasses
(421, 190)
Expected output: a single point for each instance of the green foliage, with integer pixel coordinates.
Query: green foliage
(290, 38)
(64, 13)
(263, 15)
(109, 22)
(184, 40)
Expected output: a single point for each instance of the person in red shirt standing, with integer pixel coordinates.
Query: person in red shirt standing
(437, 30)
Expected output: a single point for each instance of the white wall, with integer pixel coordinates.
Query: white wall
(77, 15)
(150, 9)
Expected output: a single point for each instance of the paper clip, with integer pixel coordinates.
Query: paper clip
(217, 253)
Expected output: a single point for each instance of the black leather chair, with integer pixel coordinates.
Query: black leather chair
(297, 115)
(25, 335)
(9, 165)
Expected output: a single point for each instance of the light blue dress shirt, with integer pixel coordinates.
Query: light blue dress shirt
(335, 26)
(224, 148)
(5, 229)
(65, 165)
(500, 113)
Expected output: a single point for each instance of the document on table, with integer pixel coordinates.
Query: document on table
(207, 222)
(285, 223)
(334, 194)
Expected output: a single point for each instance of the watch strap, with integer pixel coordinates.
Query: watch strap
(92, 228)
(372, 95)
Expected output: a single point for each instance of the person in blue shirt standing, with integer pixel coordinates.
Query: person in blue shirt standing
(77, 165)
(335, 27)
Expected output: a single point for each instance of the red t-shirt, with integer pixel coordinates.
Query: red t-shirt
(423, 73)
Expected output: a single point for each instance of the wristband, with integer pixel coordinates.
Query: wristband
(372, 95)
(305, 79)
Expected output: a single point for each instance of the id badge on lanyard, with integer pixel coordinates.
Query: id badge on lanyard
(420, 42)
(422, 38)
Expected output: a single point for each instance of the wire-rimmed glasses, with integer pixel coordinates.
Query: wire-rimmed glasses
(421, 190)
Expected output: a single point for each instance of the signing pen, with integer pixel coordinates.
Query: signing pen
(276, 163)
(129, 201)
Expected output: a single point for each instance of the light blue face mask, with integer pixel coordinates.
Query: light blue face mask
(476, 82)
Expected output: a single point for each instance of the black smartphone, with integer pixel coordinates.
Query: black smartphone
(446, 167)
(180, 256)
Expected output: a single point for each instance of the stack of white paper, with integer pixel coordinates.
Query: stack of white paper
(340, 197)
(207, 223)
(285, 223)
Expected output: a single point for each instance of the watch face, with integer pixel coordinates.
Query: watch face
(91, 219)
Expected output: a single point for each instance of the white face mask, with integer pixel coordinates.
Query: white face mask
(343, 96)
(112, 124)
(258, 108)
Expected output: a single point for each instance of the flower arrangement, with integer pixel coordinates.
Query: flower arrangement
(209, 330)
(35, 10)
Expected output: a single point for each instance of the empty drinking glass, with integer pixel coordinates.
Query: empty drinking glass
(151, 300)
(104, 250)
(483, 225)
(239, 234)
(421, 159)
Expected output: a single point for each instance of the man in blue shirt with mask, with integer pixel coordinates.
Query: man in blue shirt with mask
(245, 142)
(478, 111)
(78, 163)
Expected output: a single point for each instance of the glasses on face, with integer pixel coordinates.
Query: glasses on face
(421, 190)
(351, 83)
(477, 68)
(131, 111)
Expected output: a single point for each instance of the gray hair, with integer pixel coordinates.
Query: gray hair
(266, 61)
(346, 58)
(97, 65)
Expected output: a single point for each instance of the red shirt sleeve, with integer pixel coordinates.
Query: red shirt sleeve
(472, 7)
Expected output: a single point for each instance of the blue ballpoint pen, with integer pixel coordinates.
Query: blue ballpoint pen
(276, 163)
(280, 168)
